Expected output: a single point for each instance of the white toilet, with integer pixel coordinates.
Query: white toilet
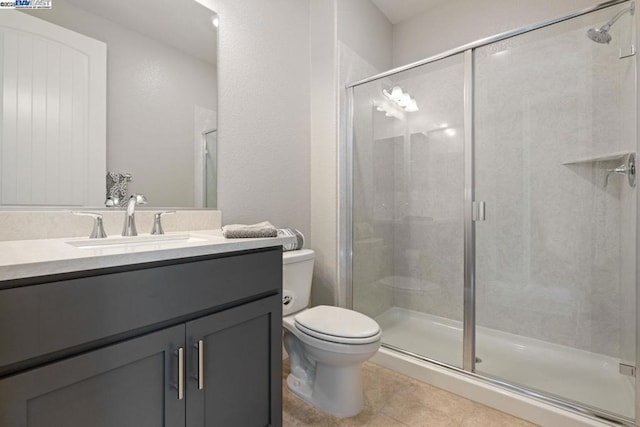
(326, 345)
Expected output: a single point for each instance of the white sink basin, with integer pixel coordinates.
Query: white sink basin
(134, 241)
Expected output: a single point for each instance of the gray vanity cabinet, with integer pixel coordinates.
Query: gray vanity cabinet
(241, 382)
(131, 383)
(196, 343)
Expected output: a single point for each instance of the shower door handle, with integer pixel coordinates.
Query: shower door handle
(478, 211)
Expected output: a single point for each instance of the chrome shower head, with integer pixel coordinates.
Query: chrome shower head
(601, 35)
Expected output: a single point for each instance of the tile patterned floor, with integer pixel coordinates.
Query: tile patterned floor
(394, 400)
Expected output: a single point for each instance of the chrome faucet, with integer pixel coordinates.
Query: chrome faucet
(129, 228)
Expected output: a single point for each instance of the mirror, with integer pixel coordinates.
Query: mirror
(160, 88)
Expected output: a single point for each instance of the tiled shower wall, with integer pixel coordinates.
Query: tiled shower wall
(555, 256)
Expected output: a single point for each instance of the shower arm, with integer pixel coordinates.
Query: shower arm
(631, 9)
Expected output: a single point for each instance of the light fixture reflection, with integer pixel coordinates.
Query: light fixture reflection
(215, 21)
(403, 99)
(389, 109)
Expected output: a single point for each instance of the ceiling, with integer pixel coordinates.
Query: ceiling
(185, 25)
(399, 10)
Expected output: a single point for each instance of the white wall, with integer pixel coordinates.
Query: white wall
(264, 113)
(367, 31)
(278, 152)
(358, 27)
(454, 23)
(324, 184)
(153, 91)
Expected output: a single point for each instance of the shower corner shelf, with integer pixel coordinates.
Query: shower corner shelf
(600, 158)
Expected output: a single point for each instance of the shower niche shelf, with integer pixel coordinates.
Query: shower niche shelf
(601, 158)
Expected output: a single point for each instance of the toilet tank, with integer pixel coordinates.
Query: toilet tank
(297, 272)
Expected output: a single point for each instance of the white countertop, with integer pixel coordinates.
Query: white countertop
(31, 258)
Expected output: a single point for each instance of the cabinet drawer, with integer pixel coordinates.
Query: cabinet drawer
(46, 318)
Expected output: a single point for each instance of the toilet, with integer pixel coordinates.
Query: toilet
(326, 345)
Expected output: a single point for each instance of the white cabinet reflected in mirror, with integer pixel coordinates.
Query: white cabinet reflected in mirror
(52, 144)
(161, 100)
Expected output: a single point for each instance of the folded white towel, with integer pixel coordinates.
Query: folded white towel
(299, 243)
(261, 229)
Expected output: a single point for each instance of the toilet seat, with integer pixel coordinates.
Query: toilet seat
(339, 325)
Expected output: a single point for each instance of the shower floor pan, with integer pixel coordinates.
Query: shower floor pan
(588, 378)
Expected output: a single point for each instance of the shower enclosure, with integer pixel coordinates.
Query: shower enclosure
(491, 207)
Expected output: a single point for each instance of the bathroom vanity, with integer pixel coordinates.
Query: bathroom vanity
(177, 336)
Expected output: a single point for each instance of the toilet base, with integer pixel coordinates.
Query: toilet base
(335, 390)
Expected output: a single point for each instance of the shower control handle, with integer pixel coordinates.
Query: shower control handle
(627, 168)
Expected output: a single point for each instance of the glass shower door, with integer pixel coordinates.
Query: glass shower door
(408, 193)
(210, 140)
(555, 256)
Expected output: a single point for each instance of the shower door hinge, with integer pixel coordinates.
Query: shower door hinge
(628, 370)
(626, 52)
(478, 211)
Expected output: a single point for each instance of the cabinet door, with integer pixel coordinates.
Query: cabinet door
(241, 366)
(125, 384)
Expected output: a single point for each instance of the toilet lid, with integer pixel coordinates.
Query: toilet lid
(338, 325)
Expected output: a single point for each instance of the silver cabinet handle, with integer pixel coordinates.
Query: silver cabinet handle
(180, 373)
(200, 365)
(200, 376)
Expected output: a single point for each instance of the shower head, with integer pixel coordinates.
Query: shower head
(601, 35)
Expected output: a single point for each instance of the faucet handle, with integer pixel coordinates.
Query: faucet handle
(98, 228)
(112, 202)
(157, 222)
(139, 198)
